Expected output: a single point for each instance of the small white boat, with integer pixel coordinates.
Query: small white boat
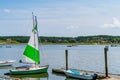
(6, 63)
(79, 75)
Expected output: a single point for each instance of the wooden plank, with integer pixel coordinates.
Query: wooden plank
(61, 71)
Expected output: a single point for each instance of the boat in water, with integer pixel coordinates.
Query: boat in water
(80, 75)
(32, 55)
(42, 75)
(6, 63)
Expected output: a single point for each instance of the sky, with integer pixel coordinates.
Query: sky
(60, 18)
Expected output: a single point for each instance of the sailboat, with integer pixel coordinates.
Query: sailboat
(32, 55)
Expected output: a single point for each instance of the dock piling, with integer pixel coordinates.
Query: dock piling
(66, 55)
(106, 63)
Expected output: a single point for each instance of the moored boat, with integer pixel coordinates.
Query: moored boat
(79, 75)
(42, 75)
(29, 70)
(32, 55)
(6, 63)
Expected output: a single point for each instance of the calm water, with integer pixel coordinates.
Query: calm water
(86, 57)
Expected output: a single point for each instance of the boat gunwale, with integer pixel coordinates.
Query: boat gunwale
(29, 69)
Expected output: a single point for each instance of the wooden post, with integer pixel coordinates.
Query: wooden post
(106, 64)
(66, 54)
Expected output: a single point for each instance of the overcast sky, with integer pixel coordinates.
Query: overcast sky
(64, 18)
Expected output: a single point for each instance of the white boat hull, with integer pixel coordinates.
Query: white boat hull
(29, 70)
(6, 63)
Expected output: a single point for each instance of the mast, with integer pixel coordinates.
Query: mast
(32, 51)
(35, 30)
(34, 35)
(33, 19)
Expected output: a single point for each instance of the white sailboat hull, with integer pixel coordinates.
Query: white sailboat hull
(29, 70)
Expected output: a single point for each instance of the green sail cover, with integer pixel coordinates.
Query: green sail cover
(32, 49)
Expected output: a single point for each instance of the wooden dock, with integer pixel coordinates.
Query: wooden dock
(101, 76)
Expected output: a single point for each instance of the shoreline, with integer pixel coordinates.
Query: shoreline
(72, 44)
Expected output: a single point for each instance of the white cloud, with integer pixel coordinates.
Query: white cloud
(115, 23)
(7, 10)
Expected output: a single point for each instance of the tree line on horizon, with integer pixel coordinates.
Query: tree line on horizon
(98, 39)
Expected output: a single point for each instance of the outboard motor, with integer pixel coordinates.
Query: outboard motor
(95, 76)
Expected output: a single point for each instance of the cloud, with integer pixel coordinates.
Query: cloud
(115, 23)
(72, 27)
(7, 10)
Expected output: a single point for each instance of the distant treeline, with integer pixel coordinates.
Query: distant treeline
(98, 39)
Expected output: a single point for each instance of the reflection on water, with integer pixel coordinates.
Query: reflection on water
(58, 74)
(42, 76)
(72, 79)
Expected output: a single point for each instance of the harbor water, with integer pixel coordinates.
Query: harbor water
(83, 57)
